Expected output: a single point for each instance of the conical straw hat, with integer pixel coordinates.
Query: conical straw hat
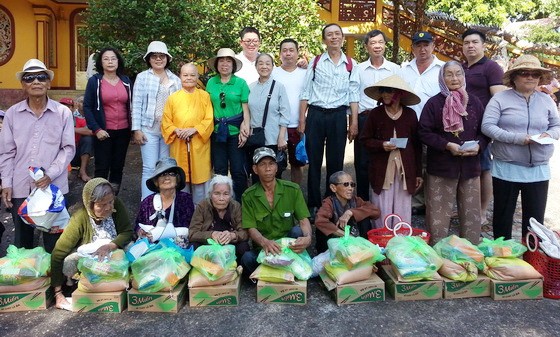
(394, 81)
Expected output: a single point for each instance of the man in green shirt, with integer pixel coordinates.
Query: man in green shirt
(273, 209)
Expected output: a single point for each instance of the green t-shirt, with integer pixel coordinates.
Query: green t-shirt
(236, 91)
(273, 224)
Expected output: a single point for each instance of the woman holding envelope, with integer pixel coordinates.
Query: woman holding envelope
(395, 168)
(168, 211)
(450, 127)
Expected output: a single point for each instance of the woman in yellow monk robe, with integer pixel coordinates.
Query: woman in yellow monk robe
(187, 125)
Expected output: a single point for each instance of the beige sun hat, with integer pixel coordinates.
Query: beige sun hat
(157, 47)
(34, 66)
(394, 81)
(528, 62)
(225, 52)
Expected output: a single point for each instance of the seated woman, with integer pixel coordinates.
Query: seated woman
(342, 209)
(103, 217)
(168, 204)
(218, 217)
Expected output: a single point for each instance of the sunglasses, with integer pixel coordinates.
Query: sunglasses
(31, 78)
(347, 183)
(168, 174)
(157, 56)
(533, 74)
(388, 90)
(223, 100)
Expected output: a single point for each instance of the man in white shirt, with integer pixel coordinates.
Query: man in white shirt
(292, 77)
(373, 70)
(250, 41)
(423, 71)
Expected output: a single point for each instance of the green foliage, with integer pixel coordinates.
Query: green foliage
(195, 29)
(485, 12)
(544, 34)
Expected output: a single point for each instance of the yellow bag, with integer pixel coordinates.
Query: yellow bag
(509, 269)
(270, 274)
(86, 286)
(464, 271)
(197, 279)
(27, 286)
(340, 273)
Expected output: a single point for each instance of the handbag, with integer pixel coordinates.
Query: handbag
(257, 138)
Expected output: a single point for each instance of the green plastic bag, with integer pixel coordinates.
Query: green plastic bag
(288, 260)
(21, 265)
(159, 270)
(458, 250)
(501, 248)
(413, 257)
(113, 269)
(214, 259)
(354, 251)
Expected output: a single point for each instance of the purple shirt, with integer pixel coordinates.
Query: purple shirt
(440, 161)
(481, 76)
(27, 140)
(184, 209)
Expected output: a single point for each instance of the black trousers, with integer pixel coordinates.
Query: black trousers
(110, 155)
(361, 161)
(533, 204)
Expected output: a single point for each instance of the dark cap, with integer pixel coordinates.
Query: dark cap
(422, 36)
(66, 101)
(263, 152)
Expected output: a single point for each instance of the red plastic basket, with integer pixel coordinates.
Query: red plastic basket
(549, 267)
(381, 236)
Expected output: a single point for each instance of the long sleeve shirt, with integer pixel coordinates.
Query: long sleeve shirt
(278, 109)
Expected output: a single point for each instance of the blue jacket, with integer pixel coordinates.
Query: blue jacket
(93, 109)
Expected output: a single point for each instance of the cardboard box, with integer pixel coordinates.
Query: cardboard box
(456, 289)
(411, 291)
(226, 295)
(370, 290)
(163, 301)
(98, 302)
(517, 290)
(39, 299)
(282, 293)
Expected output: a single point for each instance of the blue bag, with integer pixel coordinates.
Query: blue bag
(301, 153)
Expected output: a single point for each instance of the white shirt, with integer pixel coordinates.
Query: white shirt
(248, 72)
(369, 75)
(425, 85)
(293, 82)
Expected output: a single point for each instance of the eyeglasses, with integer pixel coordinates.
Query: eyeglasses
(255, 41)
(347, 183)
(157, 56)
(533, 74)
(168, 174)
(112, 59)
(31, 78)
(223, 100)
(388, 90)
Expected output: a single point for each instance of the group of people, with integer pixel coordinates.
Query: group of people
(426, 114)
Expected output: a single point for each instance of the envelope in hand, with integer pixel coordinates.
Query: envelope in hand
(160, 232)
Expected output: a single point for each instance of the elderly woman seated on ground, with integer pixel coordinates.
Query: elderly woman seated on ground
(218, 217)
(342, 209)
(168, 211)
(103, 217)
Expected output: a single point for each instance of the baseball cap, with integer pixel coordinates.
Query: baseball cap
(262, 152)
(422, 36)
(66, 101)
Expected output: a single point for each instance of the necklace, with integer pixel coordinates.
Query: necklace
(394, 116)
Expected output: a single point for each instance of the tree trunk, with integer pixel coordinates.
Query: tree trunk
(396, 29)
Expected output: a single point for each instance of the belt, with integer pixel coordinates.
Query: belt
(325, 110)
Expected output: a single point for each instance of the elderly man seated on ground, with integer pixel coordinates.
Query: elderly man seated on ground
(273, 209)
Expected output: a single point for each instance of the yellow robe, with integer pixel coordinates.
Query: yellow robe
(186, 110)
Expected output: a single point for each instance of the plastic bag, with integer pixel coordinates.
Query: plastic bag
(354, 251)
(301, 152)
(44, 208)
(464, 271)
(501, 248)
(113, 269)
(318, 263)
(270, 274)
(196, 279)
(21, 265)
(509, 268)
(297, 264)
(413, 258)
(159, 270)
(27, 286)
(214, 259)
(339, 272)
(458, 250)
(102, 287)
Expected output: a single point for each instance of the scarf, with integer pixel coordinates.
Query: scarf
(455, 107)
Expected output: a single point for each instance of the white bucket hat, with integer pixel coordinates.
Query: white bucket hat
(157, 47)
(224, 52)
(34, 66)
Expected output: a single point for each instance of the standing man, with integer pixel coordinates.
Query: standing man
(292, 77)
(331, 86)
(273, 209)
(37, 132)
(373, 70)
(484, 79)
(422, 74)
(250, 41)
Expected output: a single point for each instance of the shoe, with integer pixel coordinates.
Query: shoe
(418, 210)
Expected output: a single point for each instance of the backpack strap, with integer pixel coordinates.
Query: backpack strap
(315, 61)
(349, 65)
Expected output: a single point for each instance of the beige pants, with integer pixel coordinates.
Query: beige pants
(441, 194)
